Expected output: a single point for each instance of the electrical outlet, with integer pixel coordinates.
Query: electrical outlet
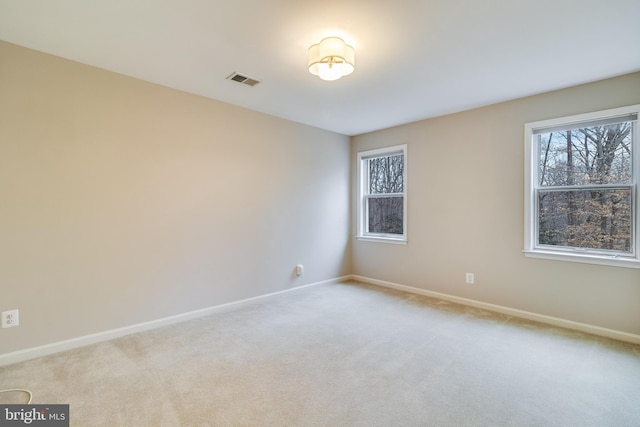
(470, 278)
(10, 318)
(299, 270)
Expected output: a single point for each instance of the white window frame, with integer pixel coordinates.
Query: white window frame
(531, 247)
(363, 195)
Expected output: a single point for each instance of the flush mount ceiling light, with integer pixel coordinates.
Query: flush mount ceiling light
(331, 59)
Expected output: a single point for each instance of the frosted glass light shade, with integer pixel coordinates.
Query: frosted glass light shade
(331, 59)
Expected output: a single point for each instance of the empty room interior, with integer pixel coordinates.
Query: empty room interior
(320, 213)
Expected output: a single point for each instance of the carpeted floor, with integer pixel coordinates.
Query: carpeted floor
(342, 355)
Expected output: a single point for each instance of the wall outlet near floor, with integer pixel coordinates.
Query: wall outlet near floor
(470, 278)
(299, 270)
(10, 318)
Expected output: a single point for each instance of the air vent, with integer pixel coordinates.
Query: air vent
(242, 79)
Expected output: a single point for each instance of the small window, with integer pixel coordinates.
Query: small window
(382, 207)
(581, 178)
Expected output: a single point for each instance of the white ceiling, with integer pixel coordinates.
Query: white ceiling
(414, 59)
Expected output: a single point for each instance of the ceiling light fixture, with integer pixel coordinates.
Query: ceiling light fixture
(331, 59)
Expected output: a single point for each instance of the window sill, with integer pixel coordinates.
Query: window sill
(380, 239)
(613, 261)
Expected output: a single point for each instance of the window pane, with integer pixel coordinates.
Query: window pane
(593, 219)
(586, 156)
(386, 174)
(385, 215)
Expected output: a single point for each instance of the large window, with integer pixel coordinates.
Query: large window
(581, 183)
(382, 206)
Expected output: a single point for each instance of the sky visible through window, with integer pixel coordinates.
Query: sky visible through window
(584, 195)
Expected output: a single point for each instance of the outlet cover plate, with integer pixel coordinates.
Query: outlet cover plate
(10, 318)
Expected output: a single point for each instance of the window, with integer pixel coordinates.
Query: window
(382, 207)
(581, 183)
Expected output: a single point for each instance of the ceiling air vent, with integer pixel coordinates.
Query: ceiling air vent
(242, 79)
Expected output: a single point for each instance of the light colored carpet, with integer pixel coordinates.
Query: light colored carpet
(343, 355)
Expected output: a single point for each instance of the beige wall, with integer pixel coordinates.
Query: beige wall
(465, 213)
(123, 202)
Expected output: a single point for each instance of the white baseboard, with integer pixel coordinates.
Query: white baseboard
(569, 324)
(44, 350)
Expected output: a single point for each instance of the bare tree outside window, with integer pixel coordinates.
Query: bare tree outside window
(584, 192)
(386, 181)
(382, 207)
